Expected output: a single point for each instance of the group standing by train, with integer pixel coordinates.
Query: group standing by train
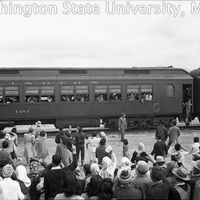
(159, 174)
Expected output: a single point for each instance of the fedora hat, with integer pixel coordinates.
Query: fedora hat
(181, 173)
(196, 164)
(160, 159)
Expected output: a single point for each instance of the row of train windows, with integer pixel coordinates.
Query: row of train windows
(36, 94)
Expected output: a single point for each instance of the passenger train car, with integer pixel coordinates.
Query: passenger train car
(90, 96)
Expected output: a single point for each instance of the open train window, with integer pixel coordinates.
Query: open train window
(67, 93)
(146, 93)
(1, 94)
(47, 94)
(170, 90)
(115, 93)
(32, 94)
(132, 92)
(82, 93)
(100, 93)
(11, 94)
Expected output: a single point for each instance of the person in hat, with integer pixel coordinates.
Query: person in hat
(125, 189)
(195, 180)
(158, 189)
(182, 179)
(9, 188)
(160, 161)
(142, 177)
(38, 128)
(122, 126)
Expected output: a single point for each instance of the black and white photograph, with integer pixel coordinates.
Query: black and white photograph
(99, 99)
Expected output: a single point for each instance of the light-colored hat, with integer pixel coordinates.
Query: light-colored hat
(124, 176)
(160, 159)
(142, 167)
(38, 123)
(7, 171)
(181, 173)
(196, 164)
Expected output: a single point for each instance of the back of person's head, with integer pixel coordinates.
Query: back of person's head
(196, 139)
(86, 168)
(125, 141)
(159, 137)
(42, 133)
(93, 186)
(4, 161)
(157, 173)
(177, 147)
(56, 159)
(173, 122)
(106, 192)
(31, 130)
(103, 141)
(141, 147)
(71, 185)
(5, 144)
(14, 130)
(94, 134)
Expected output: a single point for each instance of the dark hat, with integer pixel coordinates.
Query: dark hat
(181, 173)
(158, 173)
(124, 176)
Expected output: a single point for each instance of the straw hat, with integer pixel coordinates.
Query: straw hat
(181, 173)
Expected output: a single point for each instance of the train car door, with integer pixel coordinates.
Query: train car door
(187, 104)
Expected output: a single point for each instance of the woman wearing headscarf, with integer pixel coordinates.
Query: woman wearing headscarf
(9, 188)
(23, 179)
(109, 165)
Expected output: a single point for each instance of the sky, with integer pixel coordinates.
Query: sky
(67, 38)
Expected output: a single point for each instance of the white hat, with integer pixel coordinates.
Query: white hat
(38, 123)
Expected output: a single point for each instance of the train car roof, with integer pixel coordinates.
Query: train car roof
(195, 73)
(99, 73)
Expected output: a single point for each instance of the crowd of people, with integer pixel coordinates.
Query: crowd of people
(138, 175)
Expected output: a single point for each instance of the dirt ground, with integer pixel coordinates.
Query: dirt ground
(134, 137)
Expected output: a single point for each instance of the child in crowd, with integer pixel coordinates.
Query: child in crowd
(179, 155)
(194, 149)
(125, 148)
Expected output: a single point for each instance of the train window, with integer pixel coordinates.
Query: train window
(170, 90)
(47, 94)
(11, 94)
(1, 94)
(115, 93)
(67, 93)
(146, 93)
(32, 94)
(82, 93)
(133, 92)
(101, 93)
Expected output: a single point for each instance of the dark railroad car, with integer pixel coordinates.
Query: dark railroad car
(86, 96)
(196, 92)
